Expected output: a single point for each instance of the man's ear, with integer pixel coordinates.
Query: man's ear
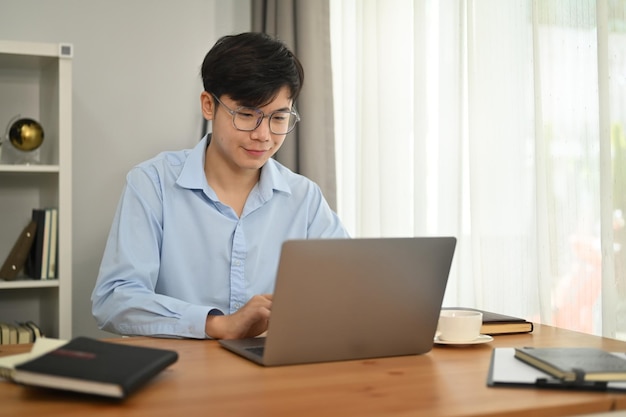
(208, 105)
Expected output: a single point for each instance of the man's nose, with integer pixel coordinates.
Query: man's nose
(263, 132)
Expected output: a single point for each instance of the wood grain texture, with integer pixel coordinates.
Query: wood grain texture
(208, 380)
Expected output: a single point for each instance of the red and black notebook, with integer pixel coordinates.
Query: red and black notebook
(95, 367)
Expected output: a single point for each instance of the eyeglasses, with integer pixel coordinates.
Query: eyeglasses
(248, 119)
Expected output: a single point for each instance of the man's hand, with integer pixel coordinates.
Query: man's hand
(249, 321)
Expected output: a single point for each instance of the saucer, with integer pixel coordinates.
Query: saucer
(483, 338)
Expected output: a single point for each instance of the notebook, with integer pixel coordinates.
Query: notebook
(346, 299)
(93, 366)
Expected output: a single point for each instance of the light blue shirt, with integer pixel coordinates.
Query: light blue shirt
(175, 252)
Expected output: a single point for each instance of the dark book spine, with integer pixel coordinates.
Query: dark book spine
(33, 263)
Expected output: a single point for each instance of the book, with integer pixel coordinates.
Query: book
(15, 261)
(19, 333)
(94, 366)
(507, 371)
(34, 328)
(24, 334)
(497, 323)
(41, 262)
(53, 243)
(12, 334)
(575, 364)
(33, 266)
(46, 245)
(4, 334)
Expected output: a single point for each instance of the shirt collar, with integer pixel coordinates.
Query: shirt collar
(192, 175)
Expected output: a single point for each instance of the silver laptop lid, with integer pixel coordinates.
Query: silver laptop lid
(340, 299)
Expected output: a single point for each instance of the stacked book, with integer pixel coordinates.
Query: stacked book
(19, 333)
(35, 250)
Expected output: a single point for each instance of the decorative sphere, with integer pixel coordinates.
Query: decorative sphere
(26, 134)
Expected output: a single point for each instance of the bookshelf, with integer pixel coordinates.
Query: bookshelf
(36, 82)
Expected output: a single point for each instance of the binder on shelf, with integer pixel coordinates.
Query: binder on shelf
(15, 261)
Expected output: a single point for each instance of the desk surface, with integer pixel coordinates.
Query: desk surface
(208, 380)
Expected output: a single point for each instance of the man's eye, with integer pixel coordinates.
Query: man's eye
(246, 115)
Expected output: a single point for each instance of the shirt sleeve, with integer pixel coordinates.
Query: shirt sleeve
(124, 300)
(324, 221)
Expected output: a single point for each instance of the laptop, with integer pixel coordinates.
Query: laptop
(348, 299)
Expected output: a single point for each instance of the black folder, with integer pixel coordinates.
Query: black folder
(507, 371)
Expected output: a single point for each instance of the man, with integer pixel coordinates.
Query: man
(194, 246)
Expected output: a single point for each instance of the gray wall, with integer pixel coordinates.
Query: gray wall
(136, 93)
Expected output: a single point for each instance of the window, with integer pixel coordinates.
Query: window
(501, 123)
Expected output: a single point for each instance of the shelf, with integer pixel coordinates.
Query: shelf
(28, 50)
(36, 82)
(29, 168)
(28, 283)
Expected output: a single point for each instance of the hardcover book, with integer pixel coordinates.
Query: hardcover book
(575, 364)
(42, 259)
(5, 333)
(93, 366)
(496, 323)
(33, 267)
(19, 333)
(46, 244)
(53, 243)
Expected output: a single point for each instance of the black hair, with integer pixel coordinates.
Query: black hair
(251, 68)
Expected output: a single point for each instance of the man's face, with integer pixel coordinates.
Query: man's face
(243, 150)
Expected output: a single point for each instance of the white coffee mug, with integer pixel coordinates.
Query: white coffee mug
(459, 325)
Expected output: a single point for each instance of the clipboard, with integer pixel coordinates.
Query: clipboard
(507, 371)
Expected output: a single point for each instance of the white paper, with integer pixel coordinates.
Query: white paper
(42, 345)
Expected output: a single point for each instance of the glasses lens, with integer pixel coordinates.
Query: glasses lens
(247, 119)
(282, 122)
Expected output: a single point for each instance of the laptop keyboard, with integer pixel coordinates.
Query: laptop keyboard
(256, 350)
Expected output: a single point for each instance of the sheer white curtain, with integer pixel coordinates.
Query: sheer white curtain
(500, 123)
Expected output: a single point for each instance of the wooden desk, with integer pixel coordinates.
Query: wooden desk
(210, 381)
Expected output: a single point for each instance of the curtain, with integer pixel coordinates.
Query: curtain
(304, 26)
(500, 123)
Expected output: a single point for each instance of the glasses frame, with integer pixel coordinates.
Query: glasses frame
(237, 111)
